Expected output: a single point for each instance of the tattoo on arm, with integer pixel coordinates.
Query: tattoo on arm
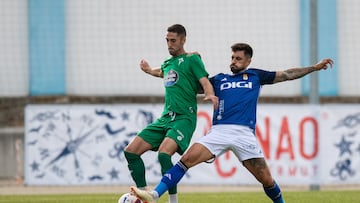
(294, 73)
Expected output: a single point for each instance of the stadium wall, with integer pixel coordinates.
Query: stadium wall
(95, 58)
(83, 145)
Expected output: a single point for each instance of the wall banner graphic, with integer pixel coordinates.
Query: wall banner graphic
(84, 144)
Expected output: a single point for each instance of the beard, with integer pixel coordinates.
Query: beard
(172, 51)
(235, 69)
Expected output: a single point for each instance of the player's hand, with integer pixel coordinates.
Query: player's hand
(214, 99)
(323, 64)
(144, 65)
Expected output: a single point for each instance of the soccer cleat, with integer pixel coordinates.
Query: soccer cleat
(144, 195)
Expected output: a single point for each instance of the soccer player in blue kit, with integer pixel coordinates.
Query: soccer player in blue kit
(234, 123)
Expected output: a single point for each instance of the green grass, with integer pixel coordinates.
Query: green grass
(230, 197)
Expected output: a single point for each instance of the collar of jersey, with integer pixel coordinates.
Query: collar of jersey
(174, 57)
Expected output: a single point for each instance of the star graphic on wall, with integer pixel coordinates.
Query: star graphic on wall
(114, 174)
(35, 166)
(344, 146)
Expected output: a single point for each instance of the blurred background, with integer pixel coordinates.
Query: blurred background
(88, 52)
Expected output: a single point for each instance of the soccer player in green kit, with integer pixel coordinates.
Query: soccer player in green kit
(184, 76)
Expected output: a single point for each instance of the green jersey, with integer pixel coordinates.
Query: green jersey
(181, 81)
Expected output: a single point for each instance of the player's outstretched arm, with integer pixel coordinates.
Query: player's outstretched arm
(295, 73)
(209, 92)
(156, 72)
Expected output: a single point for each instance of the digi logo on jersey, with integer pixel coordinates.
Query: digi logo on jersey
(240, 84)
(171, 78)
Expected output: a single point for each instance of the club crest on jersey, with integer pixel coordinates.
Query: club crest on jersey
(180, 61)
(245, 77)
(171, 78)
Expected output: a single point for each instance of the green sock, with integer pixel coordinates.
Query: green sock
(166, 164)
(137, 168)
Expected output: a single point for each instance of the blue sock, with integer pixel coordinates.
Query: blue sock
(274, 193)
(171, 178)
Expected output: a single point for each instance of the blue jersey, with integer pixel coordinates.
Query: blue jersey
(238, 96)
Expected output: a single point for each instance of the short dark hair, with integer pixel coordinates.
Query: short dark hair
(243, 47)
(177, 28)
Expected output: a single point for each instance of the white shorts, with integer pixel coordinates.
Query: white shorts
(241, 140)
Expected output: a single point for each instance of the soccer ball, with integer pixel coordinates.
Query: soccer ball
(129, 198)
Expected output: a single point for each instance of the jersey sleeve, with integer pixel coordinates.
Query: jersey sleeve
(215, 78)
(265, 77)
(198, 66)
(212, 80)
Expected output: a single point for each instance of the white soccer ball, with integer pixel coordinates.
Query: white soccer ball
(129, 198)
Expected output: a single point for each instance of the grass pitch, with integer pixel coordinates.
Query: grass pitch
(348, 196)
